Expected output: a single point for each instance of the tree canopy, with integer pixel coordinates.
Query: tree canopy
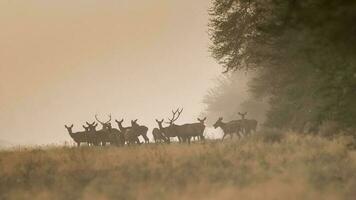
(303, 52)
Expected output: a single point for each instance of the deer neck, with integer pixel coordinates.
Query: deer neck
(223, 125)
(121, 127)
(70, 133)
(160, 127)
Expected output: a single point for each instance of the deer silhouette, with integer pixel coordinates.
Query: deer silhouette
(248, 125)
(186, 131)
(228, 128)
(78, 137)
(93, 136)
(141, 130)
(173, 130)
(191, 130)
(158, 133)
(108, 134)
(132, 133)
(121, 128)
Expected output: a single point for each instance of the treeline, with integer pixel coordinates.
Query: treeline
(301, 53)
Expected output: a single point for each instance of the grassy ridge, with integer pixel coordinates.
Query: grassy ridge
(260, 167)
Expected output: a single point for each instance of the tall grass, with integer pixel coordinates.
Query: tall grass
(259, 167)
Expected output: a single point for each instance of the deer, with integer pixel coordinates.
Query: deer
(78, 137)
(228, 128)
(126, 137)
(193, 130)
(121, 128)
(202, 123)
(141, 130)
(173, 130)
(93, 136)
(132, 134)
(158, 133)
(248, 125)
(186, 131)
(108, 134)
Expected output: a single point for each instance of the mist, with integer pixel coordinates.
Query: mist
(63, 62)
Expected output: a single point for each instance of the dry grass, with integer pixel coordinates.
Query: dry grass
(265, 166)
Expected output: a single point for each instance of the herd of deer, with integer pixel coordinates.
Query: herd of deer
(130, 135)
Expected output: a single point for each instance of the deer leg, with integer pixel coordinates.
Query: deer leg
(146, 139)
(223, 137)
(202, 138)
(138, 141)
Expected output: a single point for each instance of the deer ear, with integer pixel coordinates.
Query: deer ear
(157, 120)
(87, 123)
(204, 119)
(66, 126)
(71, 126)
(135, 120)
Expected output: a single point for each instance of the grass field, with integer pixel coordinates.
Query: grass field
(264, 166)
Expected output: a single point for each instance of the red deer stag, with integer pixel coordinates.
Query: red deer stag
(78, 137)
(228, 128)
(108, 134)
(173, 130)
(186, 131)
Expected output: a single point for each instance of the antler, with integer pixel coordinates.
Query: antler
(96, 117)
(174, 117)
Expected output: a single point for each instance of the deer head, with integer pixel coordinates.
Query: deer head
(69, 128)
(242, 115)
(119, 122)
(218, 123)
(175, 116)
(201, 120)
(107, 124)
(92, 126)
(86, 128)
(159, 123)
(134, 123)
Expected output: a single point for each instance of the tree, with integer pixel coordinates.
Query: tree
(302, 51)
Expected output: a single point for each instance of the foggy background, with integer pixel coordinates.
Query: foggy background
(62, 62)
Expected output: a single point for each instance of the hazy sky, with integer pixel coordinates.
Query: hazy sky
(63, 61)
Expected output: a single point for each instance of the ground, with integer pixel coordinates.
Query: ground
(263, 166)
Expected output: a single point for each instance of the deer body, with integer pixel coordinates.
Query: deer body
(140, 130)
(248, 125)
(187, 131)
(228, 128)
(78, 137)
(158, 135)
